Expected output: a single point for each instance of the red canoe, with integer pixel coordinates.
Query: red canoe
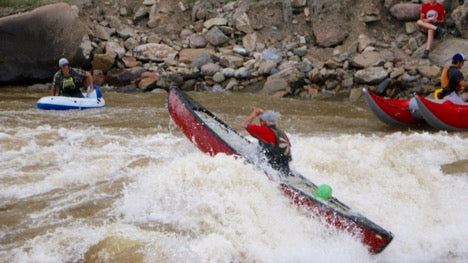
(444, 114)
(211, 135)
(394, 112)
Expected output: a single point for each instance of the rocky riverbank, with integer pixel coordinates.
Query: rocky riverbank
(295, 48)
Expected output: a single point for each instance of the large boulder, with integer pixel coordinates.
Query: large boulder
(460, 17)
(406, 11)
(442, 53)
(32, 43)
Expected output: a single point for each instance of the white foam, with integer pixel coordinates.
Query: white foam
(185, 206)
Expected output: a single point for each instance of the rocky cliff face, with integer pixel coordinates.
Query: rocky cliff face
(284, 48)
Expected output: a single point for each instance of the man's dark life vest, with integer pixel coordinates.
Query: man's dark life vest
(279, 153)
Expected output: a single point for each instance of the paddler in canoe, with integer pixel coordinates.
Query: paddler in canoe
(274, 141)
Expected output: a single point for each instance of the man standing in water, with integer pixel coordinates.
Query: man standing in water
(68, 80)
(274, 141)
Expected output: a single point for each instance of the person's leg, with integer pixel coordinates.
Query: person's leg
(430, 28)
(430, 38)
(425, 25)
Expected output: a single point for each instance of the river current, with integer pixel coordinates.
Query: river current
(123, 184)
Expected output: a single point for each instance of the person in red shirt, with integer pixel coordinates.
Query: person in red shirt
(431, 19)
(274, 141)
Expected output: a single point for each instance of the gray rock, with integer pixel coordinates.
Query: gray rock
(116, 48)
(210, 69)
(242, 22)
(197, 41)
(273, 85)
(231, 61)
(218, 21)
(373, 75)
(366, 59)
(202, 59)
(124, 31)
(430, 72)
(242, 73)
(149, 2)
(168, 79)
(355, 94)
(104, 62)
(315, 75)
(130, 43)
(330, 34)
(364, 41)
(51, 40)
(216, 37)
(122, 77)
(272, 54)
(103, 33)
(232, 84)
(347, 83)
(86, 47)
(300, 51)
(241, 51)
(229, 72)
(410, 27)
(460, 17)
(266, 66)
(154, 52)
(218, 77)
(189, 55)
(249, 42)
(141, 12)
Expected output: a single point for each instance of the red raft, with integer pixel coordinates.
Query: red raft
(394, 112)
(211, 135)
(444, 114)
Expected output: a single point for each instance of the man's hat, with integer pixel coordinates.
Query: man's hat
(458, 57)
(63, 62)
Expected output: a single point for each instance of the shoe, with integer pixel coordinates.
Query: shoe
(425, 55)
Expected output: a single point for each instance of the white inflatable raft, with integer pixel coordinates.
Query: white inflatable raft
(72, 103)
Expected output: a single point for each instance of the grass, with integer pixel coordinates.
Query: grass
(22, 3)
(15, 3)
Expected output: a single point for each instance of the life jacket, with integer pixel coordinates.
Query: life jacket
(444, 79)
(279, 153)
(445, 83)
(68, 83)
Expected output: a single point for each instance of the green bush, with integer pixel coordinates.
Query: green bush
(13, 3)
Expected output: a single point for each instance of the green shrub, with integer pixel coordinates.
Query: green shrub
(13, 3)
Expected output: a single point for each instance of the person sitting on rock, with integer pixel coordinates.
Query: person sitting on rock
(431, 20)
(68, 81)
(274, 141)
(455, 90)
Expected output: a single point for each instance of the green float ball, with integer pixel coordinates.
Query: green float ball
(323, 192)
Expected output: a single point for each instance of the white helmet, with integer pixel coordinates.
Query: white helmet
(63, 62)
(270, 117)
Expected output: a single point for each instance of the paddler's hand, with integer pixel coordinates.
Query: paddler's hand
(257, 112)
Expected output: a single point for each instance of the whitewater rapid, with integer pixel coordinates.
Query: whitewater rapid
(120, 185)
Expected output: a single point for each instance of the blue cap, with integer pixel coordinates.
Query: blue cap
(458, 57)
